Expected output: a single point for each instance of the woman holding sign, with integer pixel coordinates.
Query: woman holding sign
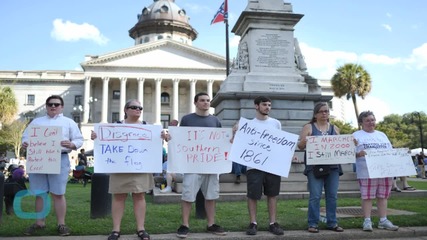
(329, 179)
(121, 184)
(372, 188)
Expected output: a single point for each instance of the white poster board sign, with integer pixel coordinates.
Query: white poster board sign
(330, 149)
(262, 147)
(199, 150)
(44, 149)
(389, 163)
(128, 148)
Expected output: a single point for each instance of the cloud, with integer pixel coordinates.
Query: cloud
(72, 32)
(234, 42)
(388, 15)
(324, 63)
(379, 107)
(379, 59)
(418, 57)
(387, 27)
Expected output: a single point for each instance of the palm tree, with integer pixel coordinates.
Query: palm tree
(351, 80)
(8, 105)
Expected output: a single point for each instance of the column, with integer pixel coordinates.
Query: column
(122, 96)
(209, 91)
(104, 113)
(175, 106)
(157, 105)
(192, 94)
(141, 93)
(86, 97)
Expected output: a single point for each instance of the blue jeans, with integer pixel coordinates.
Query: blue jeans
(315, 185)
(238, 169)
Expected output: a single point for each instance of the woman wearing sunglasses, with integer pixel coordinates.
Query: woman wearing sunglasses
(121, 184)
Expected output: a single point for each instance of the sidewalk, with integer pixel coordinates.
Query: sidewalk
(403, 233)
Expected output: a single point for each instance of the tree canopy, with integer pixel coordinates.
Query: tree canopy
(351, 80)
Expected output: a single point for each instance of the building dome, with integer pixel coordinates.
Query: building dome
(163, 19)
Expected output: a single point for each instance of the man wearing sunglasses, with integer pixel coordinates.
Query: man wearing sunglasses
(55, 184)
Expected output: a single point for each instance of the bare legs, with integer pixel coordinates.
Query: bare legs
(210, 212)
(118, 207)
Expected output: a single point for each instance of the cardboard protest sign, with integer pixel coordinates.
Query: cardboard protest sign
(199, 150)
(389, 163)
(128, 148)
(262, 147)
(330, 149)
(44, 149)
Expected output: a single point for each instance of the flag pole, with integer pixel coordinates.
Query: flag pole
(227, 52)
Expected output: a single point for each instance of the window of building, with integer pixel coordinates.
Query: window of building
(146, 39)
(159, 37)
(164, 98)
(31, 98)
(116, 94)
(78, 100)
(165, 119)
(115, 117)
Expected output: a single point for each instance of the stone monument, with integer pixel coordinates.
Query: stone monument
(269, 62)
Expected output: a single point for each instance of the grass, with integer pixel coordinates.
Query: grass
(166, 218)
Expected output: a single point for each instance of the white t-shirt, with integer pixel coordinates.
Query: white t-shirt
(366, 140)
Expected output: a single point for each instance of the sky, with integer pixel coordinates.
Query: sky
(387, 37)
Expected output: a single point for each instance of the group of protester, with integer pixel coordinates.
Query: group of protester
(258, 182)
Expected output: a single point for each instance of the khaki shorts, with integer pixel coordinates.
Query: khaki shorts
(208, 183)
(131, 182)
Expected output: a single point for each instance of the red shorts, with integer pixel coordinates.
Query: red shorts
(372, 188)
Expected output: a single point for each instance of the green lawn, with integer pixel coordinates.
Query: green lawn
(166, 218)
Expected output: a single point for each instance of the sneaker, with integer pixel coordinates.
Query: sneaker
(275, 229)
(252, 229)
(216, 229)
(182, 231)
(367, 226)
(387, 225)
(63, 230)
(237, 181)
(32, 229)
(167, 189)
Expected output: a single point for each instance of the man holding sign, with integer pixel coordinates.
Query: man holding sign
(372, 188)
(259, 181)
(55, 184)
(192, 182)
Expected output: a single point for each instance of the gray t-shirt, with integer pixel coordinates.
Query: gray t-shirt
(194, 120)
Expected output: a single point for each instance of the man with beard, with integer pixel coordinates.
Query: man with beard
(259, 181)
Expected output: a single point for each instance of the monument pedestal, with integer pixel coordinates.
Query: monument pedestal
(269, 63)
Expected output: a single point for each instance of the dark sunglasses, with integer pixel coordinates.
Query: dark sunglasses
(135, 107)
(53, 104)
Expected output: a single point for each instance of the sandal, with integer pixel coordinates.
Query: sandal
(336, 229)
(143, 235)
(409, 188)
(313, 229)
(114, 235)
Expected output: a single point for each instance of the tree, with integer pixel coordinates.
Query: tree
(351, 80)
(11, 135)
(345, 128)
(8, 106)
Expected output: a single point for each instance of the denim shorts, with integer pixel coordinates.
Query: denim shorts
(53, 183)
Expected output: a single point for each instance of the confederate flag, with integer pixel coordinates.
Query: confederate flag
(221, 14)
